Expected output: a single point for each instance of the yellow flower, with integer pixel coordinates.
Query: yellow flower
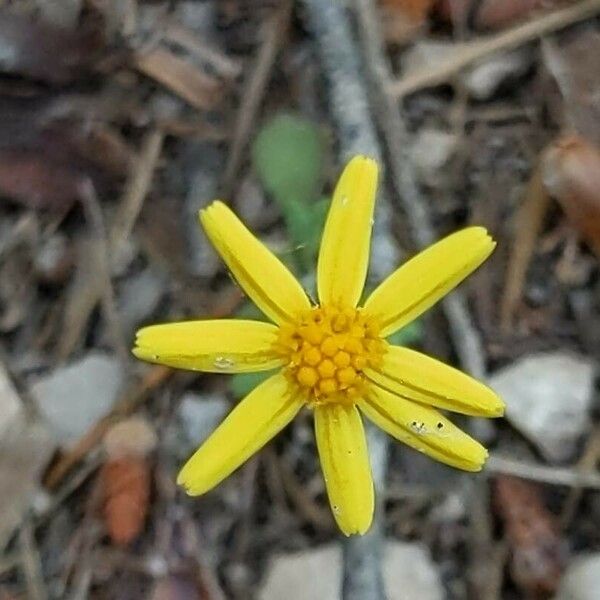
(333, 356)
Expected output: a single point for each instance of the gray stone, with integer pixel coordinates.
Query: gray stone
(74, 397)
(431, 151)
(483, 80)
(199, 415)
(139, 296)
(548, 398)
(11, 409)
(580, 581)
(25, 448)
(408, 572)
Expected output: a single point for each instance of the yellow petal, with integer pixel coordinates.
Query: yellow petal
(248, 427)
(218, 346)
(423, 429)
(345, 462)
(261, 274)
(430, 275)
(344, 253)
(423, 379)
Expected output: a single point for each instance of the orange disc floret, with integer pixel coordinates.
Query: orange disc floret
(327, 349)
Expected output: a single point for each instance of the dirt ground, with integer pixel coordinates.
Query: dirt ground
(119, 120)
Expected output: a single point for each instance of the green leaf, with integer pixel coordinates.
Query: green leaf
(288, 156)
(410, 335)
(243, 383)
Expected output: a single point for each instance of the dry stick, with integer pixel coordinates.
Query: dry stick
(136, 189)
(93, 214)
(468, 54)
(564, 476)
(32, 564)
(464, 334)
(529, 221)
(254, 89)
(339, 56)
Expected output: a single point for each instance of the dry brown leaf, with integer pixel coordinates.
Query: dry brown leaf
(536, 548)
(578, 80)
(126, 477)
(180, 76)
(571, 174)
(402, 20)
(30, 177)
(491, 14)
(44, 52)
(417, 10)
(126, 485)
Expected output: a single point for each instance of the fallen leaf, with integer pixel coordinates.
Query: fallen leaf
(126, 485)
(44, 52)
(571, 174)
(491, 14)
(536, 548)
(578, 80)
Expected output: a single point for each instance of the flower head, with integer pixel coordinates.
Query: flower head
(333, 356)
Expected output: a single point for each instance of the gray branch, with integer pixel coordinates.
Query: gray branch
(349, 105)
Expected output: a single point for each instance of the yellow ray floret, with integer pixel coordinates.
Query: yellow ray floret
(344, 252)
(424, 429)
(345, 462)
(219, 346)
(429, 276)
(333, 357)
(247, 428)
(260, 273)
(423, 379)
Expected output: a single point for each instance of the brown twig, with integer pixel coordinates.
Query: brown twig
(586, 465)
(200, 90)
(467, 54)
(95, 219)
(528, 224)
(136, 190)
(254, 89)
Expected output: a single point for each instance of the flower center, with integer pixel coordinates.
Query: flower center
(327, 351)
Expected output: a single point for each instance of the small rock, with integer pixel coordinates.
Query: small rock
(123, 256)
(580, 581)
(74, 397)
(25, 448)
(24, 452)
(131, 437)
(432, 150)
(53, 261)
(484, 80)
(315, 573)
(548, 398)
(199, 415)
(408, 573)
(11, 409)
(139, 296)
(425, 54)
